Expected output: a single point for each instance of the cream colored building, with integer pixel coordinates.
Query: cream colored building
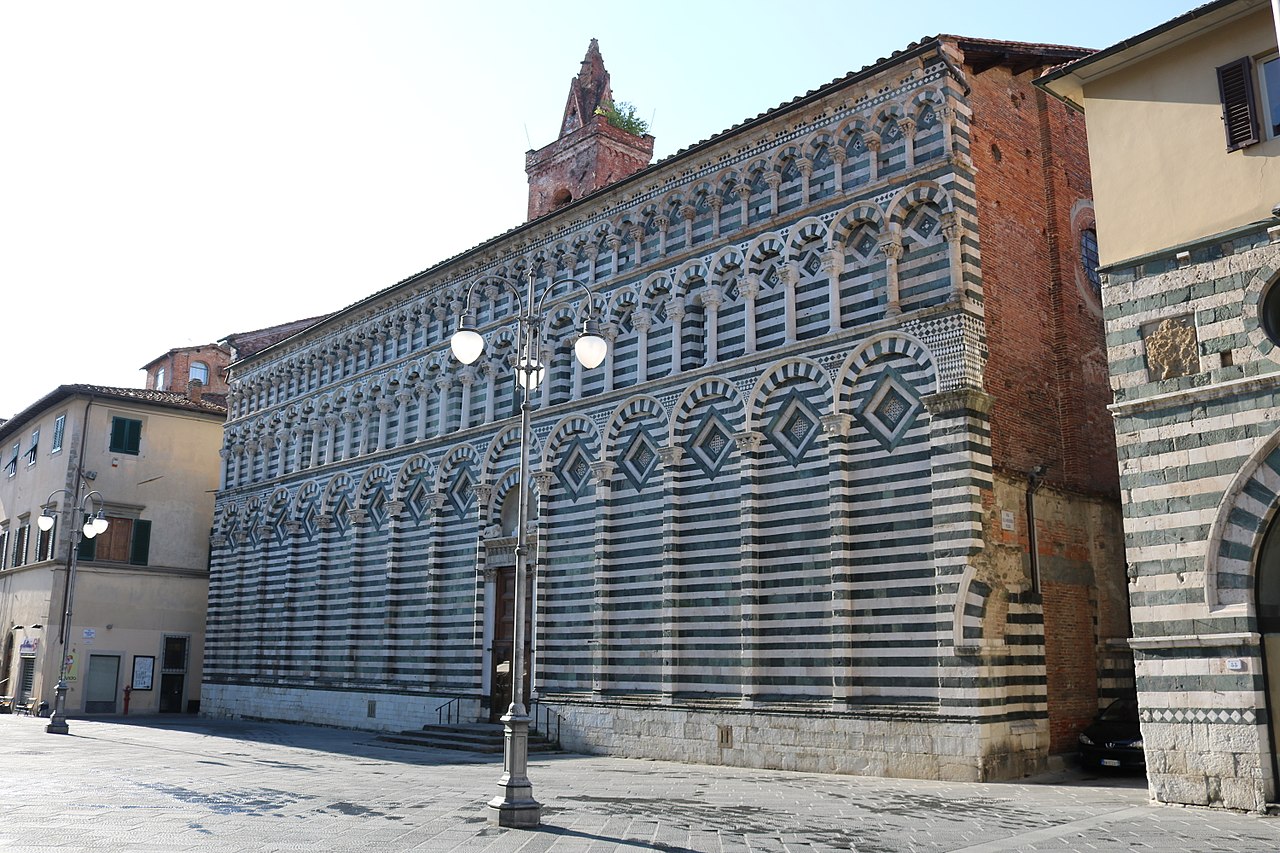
(150, 459)
(1184, 144)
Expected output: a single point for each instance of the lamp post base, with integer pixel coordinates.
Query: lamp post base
(515, 806)
(58, 721)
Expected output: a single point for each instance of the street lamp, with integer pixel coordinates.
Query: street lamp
(515, 806)
(93, 524)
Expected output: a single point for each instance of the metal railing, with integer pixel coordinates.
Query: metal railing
(545, 722)
(450, 712)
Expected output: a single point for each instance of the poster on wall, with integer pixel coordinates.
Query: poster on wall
(143, 668)
(73, 671)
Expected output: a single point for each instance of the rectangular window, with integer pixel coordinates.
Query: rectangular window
(1239, 107)
(1269, 77)
(59, 427)
(4, 548)
(20, 541)
(35, 445)
(126, 540)
(44, 542)
(126, 436)
(11, 467)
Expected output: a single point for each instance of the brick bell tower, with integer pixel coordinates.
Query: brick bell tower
(590, 153)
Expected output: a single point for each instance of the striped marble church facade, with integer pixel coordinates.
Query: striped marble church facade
(770, 529)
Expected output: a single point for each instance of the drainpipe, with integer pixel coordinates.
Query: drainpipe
(1035, 479)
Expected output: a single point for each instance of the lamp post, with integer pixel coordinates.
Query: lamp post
(93, 524)
(515, 806)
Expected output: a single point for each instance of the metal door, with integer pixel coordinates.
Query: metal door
(102, 684)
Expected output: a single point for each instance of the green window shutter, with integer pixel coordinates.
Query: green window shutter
(134, 441)
(1239, 109)
(126, 435)
(140, 548)
(88, 549)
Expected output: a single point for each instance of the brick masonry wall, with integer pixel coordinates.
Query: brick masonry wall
(1047, 365)
(177, 369)
(582, 162)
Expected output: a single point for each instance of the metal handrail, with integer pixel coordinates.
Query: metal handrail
(450, 712)
(547, 717)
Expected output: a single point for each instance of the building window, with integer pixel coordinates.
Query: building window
(1239, 106)
(44, 542)
(4, 547)
(160, 379)
(11, 467)
(35, 444)
(59, 427)
(126, 540)
(20, 541)
(200, 370)
(1269, 78)
(126, 435)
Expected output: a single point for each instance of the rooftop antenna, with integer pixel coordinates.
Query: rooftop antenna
(526, 136)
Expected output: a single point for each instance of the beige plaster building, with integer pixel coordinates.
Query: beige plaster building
(148, 460)
(1184, 143)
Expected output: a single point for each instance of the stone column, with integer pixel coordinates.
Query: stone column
(711, 299)
(615, 246)
(952, 233)
(891, 248)
(675, 312)
(748, 602)
(490, 373)
(421, 390)
(348, 433)
(774, 180)
(600, 676)
(313, 456)
(270, 442)
(789, 272)
(609, 331)
(670, 456)
(443, 384)
(947, 115)
(537, 559)
(835, 437)
(637, 237)
(331, 421)
(908, 128)
(661, 222)
(467, 378)
(743, 191)
(250, 454)
(402, 400)
(805, 165)
(833, 266)
(749, 287)
(688, 213)
(715, 202)
(838, 158)
(872, 142)
(297, 437)
(575, 367)
(547, 356)
(641, 320)
(489, 602)
(591, 251)
(385, 407)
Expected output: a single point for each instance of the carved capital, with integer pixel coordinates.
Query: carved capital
(950, 222)
(484, 494)
(688, 212)
(773, 179)
(711, 297)
(217, 541)
(908, 127)
(394, 508)
(749, 287)
(833, 262)
(293, 528)
(838, 154)
(872, 141)
(805, 165)
(357, 516)
(715, 202)
(748, 441)
(743, 190)
(387, 405)
(833, 425)
(675, 308)
(603, 471)
(670, 455)
(958, 402)
(324, 521)
(642, 319)
(891, 248)
(661, 222)
(789, 273)
(542, 479)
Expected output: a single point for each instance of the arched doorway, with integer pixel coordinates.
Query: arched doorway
(1268, 611)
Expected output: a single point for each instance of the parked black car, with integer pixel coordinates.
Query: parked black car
(1114, 738)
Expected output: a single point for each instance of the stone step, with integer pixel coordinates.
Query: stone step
(474, 737)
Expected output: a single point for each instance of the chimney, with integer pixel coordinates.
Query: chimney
(195, 390)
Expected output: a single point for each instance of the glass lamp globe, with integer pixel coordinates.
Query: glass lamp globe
(530, 372)
(466, 343)
(45, 521)
(88, 530)
(590, 348)
(100, 522)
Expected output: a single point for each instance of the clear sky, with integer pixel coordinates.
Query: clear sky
(172, 172)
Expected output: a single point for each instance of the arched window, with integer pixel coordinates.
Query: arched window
(561, 198)
(1268, 571)
(1269, 312)
(200, 370)
(1089, 259)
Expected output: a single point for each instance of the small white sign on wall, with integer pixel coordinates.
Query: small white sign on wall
(90, 633)
(1007, 520)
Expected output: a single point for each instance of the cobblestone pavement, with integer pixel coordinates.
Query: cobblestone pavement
(177, 784)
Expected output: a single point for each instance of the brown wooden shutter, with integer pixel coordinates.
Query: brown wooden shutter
(1239, 107)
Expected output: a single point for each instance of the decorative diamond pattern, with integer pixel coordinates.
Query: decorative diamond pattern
(892, 131)
(890, 409)
(309, 525)
(378, 509)
(771, 277)
(341, 521)
(925, 224)
(795, 427)
(639, 460)
(813, 264)
(574, 470)
(462, 493)
(866, 246)
(712, 443)
(418, 505)
(928, 118)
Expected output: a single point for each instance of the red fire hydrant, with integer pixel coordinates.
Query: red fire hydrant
(127, 691)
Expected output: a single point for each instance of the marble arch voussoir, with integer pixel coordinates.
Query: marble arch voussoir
(631, 409)
(711, 387)
(571, 426)
(782, 373)
(1247, 507)
(876, 347)
(914, 195)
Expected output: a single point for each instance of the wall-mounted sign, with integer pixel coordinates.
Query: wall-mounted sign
(144, 666)
(28, 647)
(90, 633)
